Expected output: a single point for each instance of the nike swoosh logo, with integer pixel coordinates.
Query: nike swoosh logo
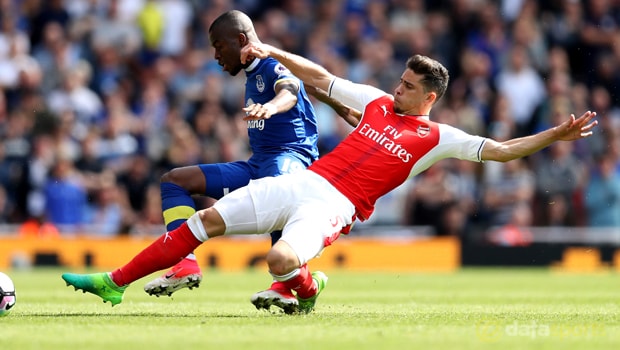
(170, 275)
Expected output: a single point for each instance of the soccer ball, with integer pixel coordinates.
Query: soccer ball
(7, 294)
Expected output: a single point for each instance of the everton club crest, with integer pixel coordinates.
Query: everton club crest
(260, 83)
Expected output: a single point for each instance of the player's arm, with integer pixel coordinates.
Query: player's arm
(351, 115)
(572, 129)
(286, 97)
(309, 72)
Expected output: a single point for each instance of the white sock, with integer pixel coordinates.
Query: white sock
(286, 277)
(197, 228)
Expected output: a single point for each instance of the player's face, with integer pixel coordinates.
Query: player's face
(227, 47)
(409, 95)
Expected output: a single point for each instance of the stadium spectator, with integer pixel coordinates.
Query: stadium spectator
(475, 84)
(116, 30)
(514, 185)
(430, 194)
(4, 205)
(151, 107)
(65, 197)
(76, 96)
(606, 139)
(501, 127)
(18, 69)
(107, 214)
(600, 26)
(178, 16)
(38, 171)
(12, 38)
(134, 183)
(563, 27)
(527, 31)
(515, 232)
(490, 36)
(187, 84)
(522, 86)
(559, 177)
(558, 100)
(602, 194)
(49, 11)
(466, 208)
(56, 53)
(115, 143)
(151, 23)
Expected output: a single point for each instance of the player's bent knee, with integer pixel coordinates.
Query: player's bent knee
(212, 222)
(190, 178)
(281, 259)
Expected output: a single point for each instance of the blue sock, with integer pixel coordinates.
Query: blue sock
(177, 205)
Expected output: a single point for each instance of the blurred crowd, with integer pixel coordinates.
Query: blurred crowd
(101, 97)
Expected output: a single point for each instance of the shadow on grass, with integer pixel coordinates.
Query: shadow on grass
(156, 315)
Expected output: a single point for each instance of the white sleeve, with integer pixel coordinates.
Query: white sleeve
(353, 95)
(459, 144)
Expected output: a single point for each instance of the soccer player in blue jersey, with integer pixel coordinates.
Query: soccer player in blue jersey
(284, 142)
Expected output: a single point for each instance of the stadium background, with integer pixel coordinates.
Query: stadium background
(99, 98)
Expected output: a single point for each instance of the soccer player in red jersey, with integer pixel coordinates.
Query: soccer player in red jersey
(394, 140)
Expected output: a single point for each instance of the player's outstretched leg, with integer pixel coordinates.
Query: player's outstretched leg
(165, 251)
(306, 305)
(99, 284)
(185, 274)
(177, 206)
(277, 295)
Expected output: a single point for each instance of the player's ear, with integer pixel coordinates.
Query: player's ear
(431, 97)
(243, 39)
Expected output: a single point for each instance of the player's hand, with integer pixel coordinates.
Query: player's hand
(258, 111)
(574, 129)
(254, 50)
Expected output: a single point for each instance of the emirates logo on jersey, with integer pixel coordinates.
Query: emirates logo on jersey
(387, 139)
(423, 130)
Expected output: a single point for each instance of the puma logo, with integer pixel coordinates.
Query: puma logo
(167, 236)
(384, 109)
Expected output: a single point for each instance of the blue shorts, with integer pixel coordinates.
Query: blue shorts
(223, 178)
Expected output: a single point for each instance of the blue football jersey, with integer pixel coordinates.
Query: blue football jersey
(295, 130)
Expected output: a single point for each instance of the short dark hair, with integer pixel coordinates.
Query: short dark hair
(235, 21)
(436, 76)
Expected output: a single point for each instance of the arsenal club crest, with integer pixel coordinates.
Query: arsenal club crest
(423, 130)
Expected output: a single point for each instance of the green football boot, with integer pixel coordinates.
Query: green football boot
(99, 284)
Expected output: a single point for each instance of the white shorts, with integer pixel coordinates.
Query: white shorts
(306, 207)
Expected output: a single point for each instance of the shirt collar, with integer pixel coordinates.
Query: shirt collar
(252, 65)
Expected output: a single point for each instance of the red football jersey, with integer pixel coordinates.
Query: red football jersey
(386, 148)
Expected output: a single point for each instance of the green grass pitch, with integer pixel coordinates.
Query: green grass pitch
(470, 309)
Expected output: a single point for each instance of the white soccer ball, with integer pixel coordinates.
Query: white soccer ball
(7, 294)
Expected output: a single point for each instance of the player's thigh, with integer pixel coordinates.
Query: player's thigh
(310, 230)
(223, 178)
(263, 206)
